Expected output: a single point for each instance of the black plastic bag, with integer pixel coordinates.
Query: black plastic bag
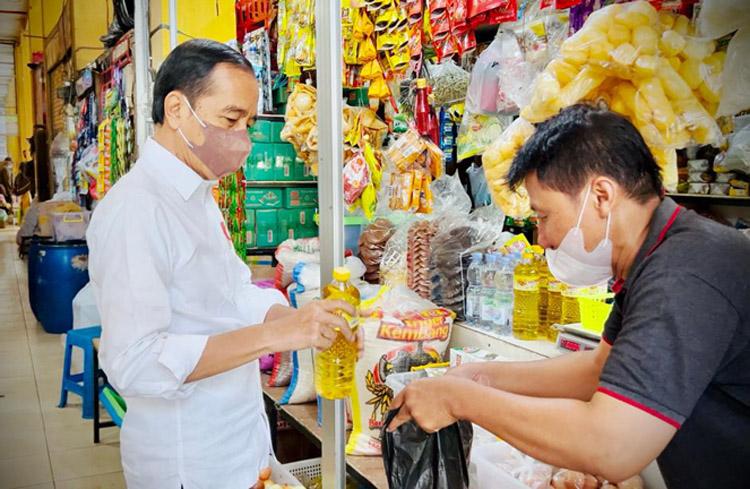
(415, 459)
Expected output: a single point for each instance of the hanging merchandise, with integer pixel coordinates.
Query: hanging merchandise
(115, 138)
(301, 127)
(413, 163)
(639, 63)
(255, 48)
(232, 205)
(296, 34)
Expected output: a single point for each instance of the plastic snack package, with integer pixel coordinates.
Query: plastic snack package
(402, 332)
(496, 162)
(356, 177)
(449, 82)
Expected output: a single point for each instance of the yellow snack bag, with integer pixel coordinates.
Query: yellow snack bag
(583, 84)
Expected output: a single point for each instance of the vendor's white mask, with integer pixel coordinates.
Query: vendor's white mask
(570, 263)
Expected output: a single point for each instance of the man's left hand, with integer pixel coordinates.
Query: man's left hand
(431, 403)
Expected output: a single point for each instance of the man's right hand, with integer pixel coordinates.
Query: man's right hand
(316, 324)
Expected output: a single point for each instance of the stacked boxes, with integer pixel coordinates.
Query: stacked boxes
(270, 158)
(276, 213)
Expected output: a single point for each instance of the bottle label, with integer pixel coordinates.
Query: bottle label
(525, 285)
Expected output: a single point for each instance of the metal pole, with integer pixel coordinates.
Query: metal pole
(172, 24)
(142, 61)
(330, 154)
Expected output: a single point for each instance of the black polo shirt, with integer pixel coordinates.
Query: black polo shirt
(680, 336)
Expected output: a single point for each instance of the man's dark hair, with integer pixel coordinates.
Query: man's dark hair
(188, 69)
(581, 141)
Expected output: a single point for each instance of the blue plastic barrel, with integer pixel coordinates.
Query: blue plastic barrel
(31, 265)
(58, 272)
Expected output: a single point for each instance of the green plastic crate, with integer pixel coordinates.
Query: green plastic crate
(264, 198)
(267, 228)
(250, 228)
(262, 131)
(294, 222)
(276, 127)
(295, 197)
(260, 163)
(284, 162)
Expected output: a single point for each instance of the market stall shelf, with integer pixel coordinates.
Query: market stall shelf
(367, 471)
(711, 199)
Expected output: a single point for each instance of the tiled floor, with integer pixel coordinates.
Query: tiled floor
(41, 445)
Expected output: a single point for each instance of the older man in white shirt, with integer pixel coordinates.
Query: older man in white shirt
(182, 324)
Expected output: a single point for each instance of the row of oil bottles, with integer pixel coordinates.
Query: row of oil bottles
(515, 294)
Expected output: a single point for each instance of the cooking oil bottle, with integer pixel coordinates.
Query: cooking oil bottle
(570, 311)
(540, 263)
(334, 367)
(526, 298)
(554, 306)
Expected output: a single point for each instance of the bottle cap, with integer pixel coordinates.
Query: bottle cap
(421, 83)
(342, 274)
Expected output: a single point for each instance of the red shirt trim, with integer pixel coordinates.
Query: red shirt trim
(640, 406)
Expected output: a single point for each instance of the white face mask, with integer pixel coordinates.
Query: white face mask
(570, 263)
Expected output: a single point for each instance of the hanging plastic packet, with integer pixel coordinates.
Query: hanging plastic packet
(449, 82)
(356, 176)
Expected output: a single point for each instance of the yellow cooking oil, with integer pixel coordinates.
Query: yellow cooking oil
(540, 263)
(571, 311)
(334, 367)
(554, 306)
(526, 298)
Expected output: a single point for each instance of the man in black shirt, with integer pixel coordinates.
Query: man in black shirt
(671, 378)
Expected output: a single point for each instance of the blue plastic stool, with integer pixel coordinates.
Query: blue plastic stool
(80, 383)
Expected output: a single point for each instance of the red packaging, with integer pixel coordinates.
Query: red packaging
(563, 4)
(508, 12)
(478, 7)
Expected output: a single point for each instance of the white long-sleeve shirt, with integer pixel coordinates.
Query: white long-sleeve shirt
(166, 277)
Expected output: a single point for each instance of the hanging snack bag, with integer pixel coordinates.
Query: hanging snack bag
(403, 331)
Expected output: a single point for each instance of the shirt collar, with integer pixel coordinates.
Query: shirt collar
(173, 171)
(659, 220)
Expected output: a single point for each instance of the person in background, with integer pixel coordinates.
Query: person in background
(182, 323)
(6, 189)
(670, 379)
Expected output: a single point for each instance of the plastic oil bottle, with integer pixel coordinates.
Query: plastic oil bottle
(570, 310)
(526, 298)
(554, 306)
(472, 308)
(334, 367)
(541, 267)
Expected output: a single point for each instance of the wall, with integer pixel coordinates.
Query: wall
(211, 19)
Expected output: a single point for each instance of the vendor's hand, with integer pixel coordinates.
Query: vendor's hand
(316, 324)
(431, 403)
(471, 371)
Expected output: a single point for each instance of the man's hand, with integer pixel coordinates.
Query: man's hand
(431, 403)
(316, 325)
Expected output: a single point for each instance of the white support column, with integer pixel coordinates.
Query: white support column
(142, 60)
(172, 24)
(330, 153)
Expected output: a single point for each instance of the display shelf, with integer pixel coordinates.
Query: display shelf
(711, 199)
(465, 335)
(367, 471)
(270, 116)
(279, 183)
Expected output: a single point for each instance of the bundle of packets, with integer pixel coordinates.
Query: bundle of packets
(415, 163)
(641, 63)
